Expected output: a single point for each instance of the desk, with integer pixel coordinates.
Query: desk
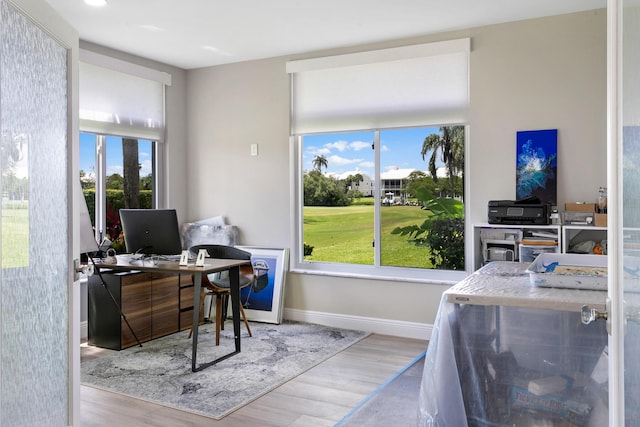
(496, 337)
(212, 265)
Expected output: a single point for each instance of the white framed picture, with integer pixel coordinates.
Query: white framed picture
(263, 300)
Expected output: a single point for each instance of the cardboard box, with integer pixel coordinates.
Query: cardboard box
(600, 220)
(580, 207)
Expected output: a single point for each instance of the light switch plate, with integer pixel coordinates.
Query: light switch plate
(254, 149)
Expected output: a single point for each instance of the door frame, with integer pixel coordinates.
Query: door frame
(615, 291)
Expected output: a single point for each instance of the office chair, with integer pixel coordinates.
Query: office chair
(218, 284)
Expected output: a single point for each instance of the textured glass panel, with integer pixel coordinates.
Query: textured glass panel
(33, 282)
(631, 205)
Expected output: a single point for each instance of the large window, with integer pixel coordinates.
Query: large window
(379, 142)
(349, 219)
(116, 173)
(122, 131)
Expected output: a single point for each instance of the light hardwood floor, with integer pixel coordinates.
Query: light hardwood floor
(319, 397)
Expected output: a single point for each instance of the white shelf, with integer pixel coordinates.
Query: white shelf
(567, 234)
(479, 249)
(572, 234)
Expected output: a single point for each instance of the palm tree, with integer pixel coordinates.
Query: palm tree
(131, 172)
(450, 143)
(320, 162)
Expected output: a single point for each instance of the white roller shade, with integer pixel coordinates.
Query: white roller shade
(119, 103)
(409, 86)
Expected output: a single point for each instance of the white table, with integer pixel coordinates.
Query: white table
(494, 335)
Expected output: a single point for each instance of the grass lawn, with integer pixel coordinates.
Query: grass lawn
(15, 235)
(345, 235)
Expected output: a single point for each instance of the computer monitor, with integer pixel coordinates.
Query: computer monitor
(151, 231)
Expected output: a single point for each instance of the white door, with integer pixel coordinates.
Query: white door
(624, 216)
(39, 343)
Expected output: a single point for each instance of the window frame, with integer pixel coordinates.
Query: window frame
(375, 271)
(100, 219)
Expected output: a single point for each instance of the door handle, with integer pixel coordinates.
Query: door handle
(589, 315)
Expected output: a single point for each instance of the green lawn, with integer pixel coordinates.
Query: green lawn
(15, 234)
(345, 235)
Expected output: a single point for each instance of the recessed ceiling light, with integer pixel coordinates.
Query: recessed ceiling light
(215, 50)
(96, 3)
(151, 28)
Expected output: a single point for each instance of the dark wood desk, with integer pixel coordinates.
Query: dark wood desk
(212, 265)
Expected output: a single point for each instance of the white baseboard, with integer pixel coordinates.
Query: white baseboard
(398, 328)
(420, 331)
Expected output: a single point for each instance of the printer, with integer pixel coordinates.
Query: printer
(529, 211)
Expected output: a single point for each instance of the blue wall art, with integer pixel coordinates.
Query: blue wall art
(537, 165)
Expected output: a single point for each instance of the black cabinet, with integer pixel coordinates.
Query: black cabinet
(154, 304)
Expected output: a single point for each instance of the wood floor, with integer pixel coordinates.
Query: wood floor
(320, 397)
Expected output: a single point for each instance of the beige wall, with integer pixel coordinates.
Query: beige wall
(539, 74)
(536, 74)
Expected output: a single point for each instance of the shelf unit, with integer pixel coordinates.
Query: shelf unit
(568, 235)
(572, 234)
(479, 247)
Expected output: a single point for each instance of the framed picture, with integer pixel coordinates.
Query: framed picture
(537, 165)
(263, 300)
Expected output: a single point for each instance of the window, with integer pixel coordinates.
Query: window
(373, 133)
(116, 173)
(122, 131)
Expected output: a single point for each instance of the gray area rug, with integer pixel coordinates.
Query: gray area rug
(394, 403)
(160, 370)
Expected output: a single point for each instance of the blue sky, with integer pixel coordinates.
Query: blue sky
(345, 152)
(114, 155)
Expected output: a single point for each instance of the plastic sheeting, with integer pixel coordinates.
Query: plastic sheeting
(513, 354)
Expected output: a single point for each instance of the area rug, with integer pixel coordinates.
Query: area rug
(394, 403)
(160, 370)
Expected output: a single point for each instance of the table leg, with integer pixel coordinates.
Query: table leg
(234, 283)
(197, 284)
(234, 276)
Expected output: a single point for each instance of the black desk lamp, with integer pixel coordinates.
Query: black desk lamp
(89, 246)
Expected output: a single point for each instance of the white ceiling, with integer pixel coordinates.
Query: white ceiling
(199, 33)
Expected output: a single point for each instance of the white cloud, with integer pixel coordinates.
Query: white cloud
(341, 161)
(115, 169)
(338, 145)
(359, 145)
(146, 168)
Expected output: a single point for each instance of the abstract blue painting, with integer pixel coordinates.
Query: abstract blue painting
(537, 165)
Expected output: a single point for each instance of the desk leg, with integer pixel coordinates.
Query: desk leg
(234, 276)
(197, 284)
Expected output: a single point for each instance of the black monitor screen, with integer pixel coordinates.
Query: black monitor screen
(151, 231)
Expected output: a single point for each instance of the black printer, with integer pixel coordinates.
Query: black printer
(529, 211)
